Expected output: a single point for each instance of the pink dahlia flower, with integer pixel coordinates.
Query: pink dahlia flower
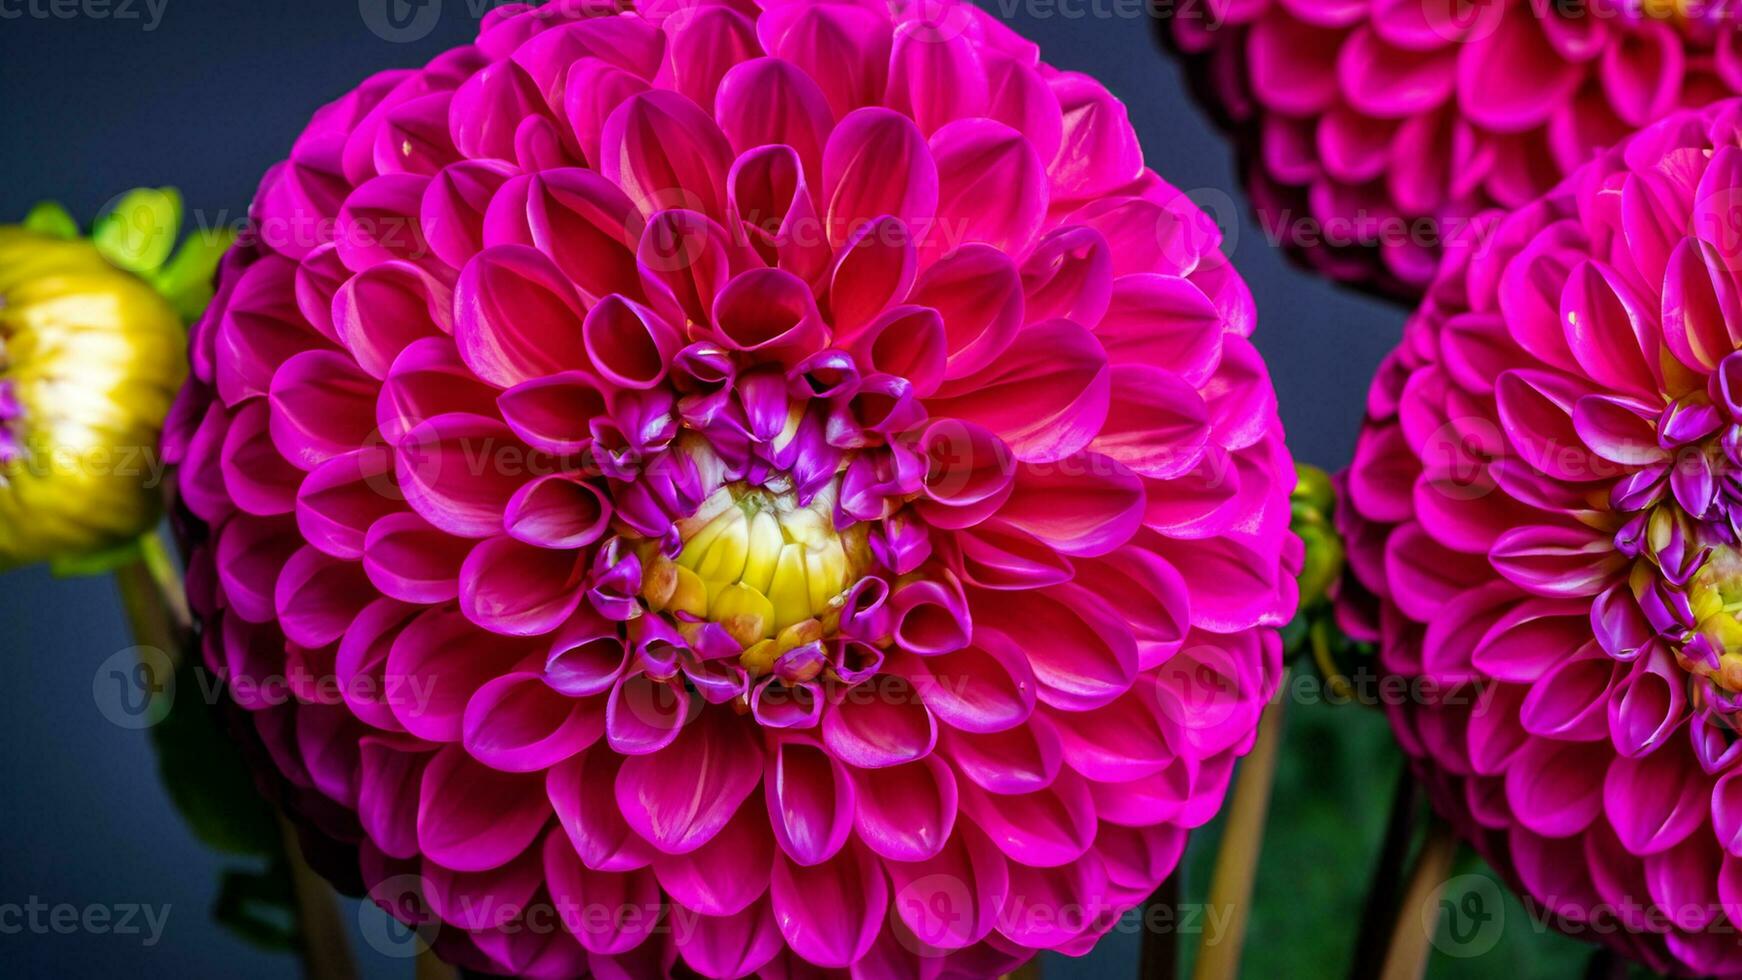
(772, 489)
(1546, 501)
(1375, 129)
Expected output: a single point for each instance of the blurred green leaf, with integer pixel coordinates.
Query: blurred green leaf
(259, 906)
(96, 562)
(138, 233)
(186, 281)
(205, 775)
(49, 218)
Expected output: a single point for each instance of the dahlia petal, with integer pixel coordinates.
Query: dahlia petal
(409, 559)
(907, 342)
(704, 46)
(831, 913)
(488, 107)
(1068, 275)
(886, 728)
(996, 555)
(251, 553)
(1389, 82)
(953, 900)
(769, 314)
(343, 498)
(587, 226)
(591, 818)
(1082, 654)
(1699, 305)
(1127, 739)
(517, 723)
(1020, 759)
(453, 206)
(1293, 65)
(257, 477)
(665, 152)
(592, 91)
(1569, 703)
(473, 818)
(969, 474)
(770, 202)
(1679, 880)
(1165, 322)
(388, 781)
(459, 472)
(1557, 561)
(322, 406)
(1155, 423)
(425, 380)
(1061, 373)
(1648, 705)
(772, 102)
(984, 687)
(644, 716)
(445, 661)
(379, 222)
(1607, 331)
(317, 596)
(629, 899)
(516, 317)
(843, 48)
(1510, 78)
(936, 75)
(877, 163)
(1655, 801)
(680, 797)
(906, 813)
(728, 946)
(726, 875)
(1046, 908)
(811, 801)
(1556, 788)
(978, 291)
(1094, 509)
(380, 311)
(991, 187)
(873, 270)
(1098, 150)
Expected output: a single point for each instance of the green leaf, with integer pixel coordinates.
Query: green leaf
(138, 233)
(96, 562)
(186, 281)
(204, 772)
(259, 906)
(49, 218)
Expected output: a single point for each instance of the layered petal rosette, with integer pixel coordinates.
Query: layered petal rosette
(1371, 131)
(1546, 501)
(768, 490)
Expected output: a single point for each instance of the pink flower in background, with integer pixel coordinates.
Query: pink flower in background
(767, 489)
(1546, 503)
(1373, 130)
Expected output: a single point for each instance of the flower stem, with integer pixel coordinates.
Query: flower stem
(1237, 861)
(326, 955)
(1411, 941)
(1387, 881)
(1159, 959)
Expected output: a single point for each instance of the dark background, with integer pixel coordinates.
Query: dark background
(204, 95)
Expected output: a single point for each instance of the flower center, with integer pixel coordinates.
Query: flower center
(771, 571)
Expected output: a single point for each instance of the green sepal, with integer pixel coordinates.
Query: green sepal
(138, 233)
(50, 218)
(96, 562)
(186, 280)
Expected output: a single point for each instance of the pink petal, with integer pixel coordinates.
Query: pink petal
(473, 818)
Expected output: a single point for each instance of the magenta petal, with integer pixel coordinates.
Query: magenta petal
(680, 797)
(877, 163)
(318, 596)
(388, 782)
(991, 187)
(1556, 788)
(1046, 397)
(608, 912)
(508, 586)
(730, 946)
(831, 913)
(952, 901)
(978, 291)
(516, 317)
(558, 511)
(517, 723)
(1043, 829)
(727, 874)
(473, 818)
(1655, 801)
(409, 559)
(906, 813)
(665, 152)
(810, 801)
(1097, 507)
(870, 729)
(590, 817)
(444, 659)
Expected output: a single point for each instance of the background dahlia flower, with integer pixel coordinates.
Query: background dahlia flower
(768, 489)
(1545, 502)
(1371, 131)
(90, 360)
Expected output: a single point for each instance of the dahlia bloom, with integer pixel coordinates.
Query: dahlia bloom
(773, 490)
(1373, 130)
(1544, 501)
(90, 359)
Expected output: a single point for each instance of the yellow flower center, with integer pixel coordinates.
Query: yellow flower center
(772, 572)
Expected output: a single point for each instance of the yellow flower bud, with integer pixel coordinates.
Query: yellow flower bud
(90, 360)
